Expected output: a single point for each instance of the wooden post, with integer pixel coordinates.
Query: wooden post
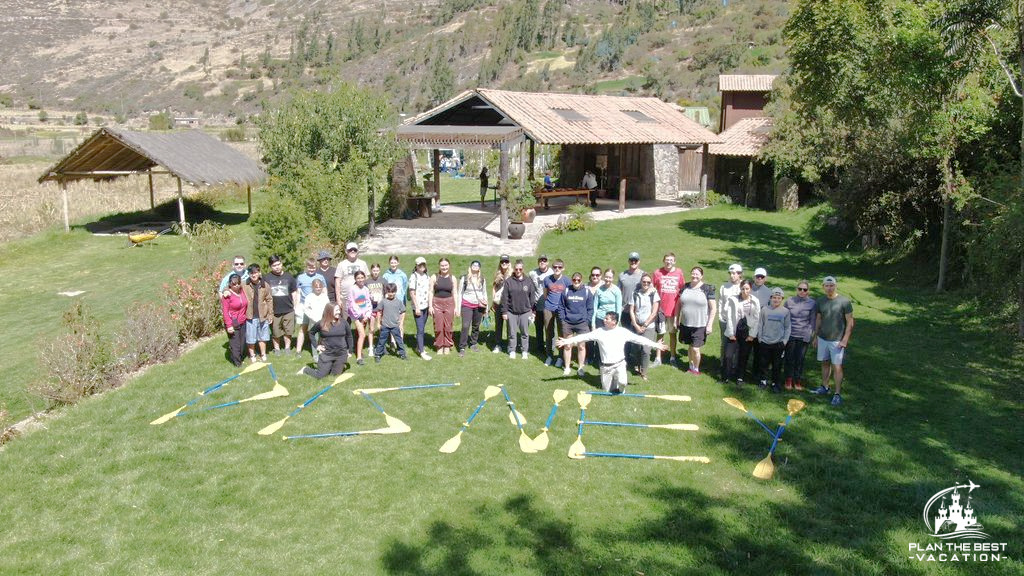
(248, 195)
(181, 208)
(64, 201)
(703, 176)
(437, 176)
(532, 159)
(622, 195)
(522, 164)
(502, 181)
(152, 197)
(750, 183)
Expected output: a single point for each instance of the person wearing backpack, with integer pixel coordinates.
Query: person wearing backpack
(643, 312)
(473, 307)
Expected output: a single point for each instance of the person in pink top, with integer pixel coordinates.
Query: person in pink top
(233, 308)
(360, 310)
(668, 281)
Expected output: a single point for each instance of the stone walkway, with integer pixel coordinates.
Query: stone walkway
(442, 233)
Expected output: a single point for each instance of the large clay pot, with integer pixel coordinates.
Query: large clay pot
(529, 214)
(516, 230)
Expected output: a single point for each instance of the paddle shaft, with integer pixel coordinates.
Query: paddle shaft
(311, 400)
(326, 435)
(763, 425)
(778, 434)
(551, 416)
(415, 387)
(630, 424)
(374, 402)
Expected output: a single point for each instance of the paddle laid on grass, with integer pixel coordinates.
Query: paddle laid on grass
(250, 368)
(268, 430)
(765, 469)
(276, 392)
(454, 442)
(701, 459)
(735, 403)
(672, 397)
(416, 387)
(689, 427)
(541, 441)
(525, 443)
(577, 449)
(396, 425)
(388, 430)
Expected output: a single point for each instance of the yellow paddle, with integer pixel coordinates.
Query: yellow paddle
(765, 469)
(541, 441)
(454, 442)
(270, 429)
(250, 368)
(577, 449)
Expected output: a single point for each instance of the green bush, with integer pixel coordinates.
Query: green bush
(148, 336)
(78, 362)
(206, 241)
(194, 304)
(280, 228)
(580, 217)
(161, 121)
(234, 134)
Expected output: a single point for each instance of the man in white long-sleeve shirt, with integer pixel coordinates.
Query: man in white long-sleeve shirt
(611, 340)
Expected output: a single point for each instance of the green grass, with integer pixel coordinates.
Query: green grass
(462, 190)
(619, 84)
(933, 398)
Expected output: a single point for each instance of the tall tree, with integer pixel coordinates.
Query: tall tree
(971, 28)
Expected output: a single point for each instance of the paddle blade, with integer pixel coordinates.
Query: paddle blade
(765, 469)
(735, 403)
(672, 397)
(167, 416)
(452, 444)
(690, 427)
(389, 430)
(525, 443)
(560, 395)
(491, 392)
(252, 367)
(584, 399)
(395, 424)
(700, 459)
(512, 417)
(267, 431)
(577, 449)
(794, 406)
(276, 392)
(541, 441)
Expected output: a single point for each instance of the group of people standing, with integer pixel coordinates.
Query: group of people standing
(618, 322)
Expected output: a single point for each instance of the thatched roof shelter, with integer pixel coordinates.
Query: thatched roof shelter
(191, 156)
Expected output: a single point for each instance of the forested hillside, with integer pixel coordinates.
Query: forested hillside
(237, 57)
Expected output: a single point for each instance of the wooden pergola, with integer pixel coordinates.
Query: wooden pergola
(191, 156)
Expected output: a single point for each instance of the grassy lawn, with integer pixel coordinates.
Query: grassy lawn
(932, 399)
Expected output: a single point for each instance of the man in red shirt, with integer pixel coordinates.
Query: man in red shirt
(668, 281)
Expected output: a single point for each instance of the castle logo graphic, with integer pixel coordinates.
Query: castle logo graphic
(958, 519)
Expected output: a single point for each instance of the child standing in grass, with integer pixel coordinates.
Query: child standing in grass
(391, 311)
(313, 310)
(773, 335)
(360, 310)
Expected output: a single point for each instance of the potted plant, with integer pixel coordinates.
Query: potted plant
(520, 202)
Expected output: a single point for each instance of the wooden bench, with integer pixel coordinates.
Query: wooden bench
(421, 205)
(582, 195)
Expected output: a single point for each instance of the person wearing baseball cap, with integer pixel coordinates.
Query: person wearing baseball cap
(329, 272)
(763, 293)
(419, 300)
(629, 281)
(497, 287)
(346, 273)
(834, 326)
(773, 332)
(730, 289)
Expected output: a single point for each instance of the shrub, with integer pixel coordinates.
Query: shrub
(580, 217)
(193, 303)
(148, 336)
(81, 119)
(79, 362)
(280, 228)
(161, 121)
(207, 240)
(234, 134)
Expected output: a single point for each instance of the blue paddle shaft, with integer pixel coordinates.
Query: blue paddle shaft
(372, 401)
(419, 386)
(583, 414)
(778, 434)
(630, 424)
(310, 401)
(475, 412)
(512, 407)
(615, 455)
(272, 373)
(763, 425)
(551, 416)
(325, 435)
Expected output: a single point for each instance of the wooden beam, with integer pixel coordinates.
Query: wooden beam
(703, 175)
(502, 184)
(248, 195)
(64, 201)
(152, 197)
(181, 208)
(532, 159)
(436, 156)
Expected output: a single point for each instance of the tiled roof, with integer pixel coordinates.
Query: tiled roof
(744, 138)
(745, 82)
(550, 118)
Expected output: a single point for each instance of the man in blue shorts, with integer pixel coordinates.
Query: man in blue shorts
(835, 324)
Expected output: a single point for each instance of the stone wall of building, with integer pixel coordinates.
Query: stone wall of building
(664, 164)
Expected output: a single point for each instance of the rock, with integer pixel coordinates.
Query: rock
(787, 195)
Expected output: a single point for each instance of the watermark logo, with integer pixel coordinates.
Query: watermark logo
(956, 521)
(949, 516)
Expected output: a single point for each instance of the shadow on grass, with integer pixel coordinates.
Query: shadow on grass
(166, 212)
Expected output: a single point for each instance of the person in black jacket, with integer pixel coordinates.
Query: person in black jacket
(335, 343)
(517, 308)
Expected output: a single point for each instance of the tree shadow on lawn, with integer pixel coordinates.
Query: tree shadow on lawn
(195, 212)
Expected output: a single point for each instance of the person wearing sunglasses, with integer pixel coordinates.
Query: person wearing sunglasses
(802, 309)
(237, 267)
(554, 286)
